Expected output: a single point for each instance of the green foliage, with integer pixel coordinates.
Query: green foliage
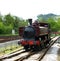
(52, 19)
(9, 22)
(1, 27)
(46, 16)
(8, 19)
(53, 24)
(8, 29)
(23, 23)
(5, 29)
(58, 22)
(0, 18)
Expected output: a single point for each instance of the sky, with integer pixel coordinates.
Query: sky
(29, 8)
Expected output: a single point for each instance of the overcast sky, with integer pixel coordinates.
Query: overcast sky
(29, 8)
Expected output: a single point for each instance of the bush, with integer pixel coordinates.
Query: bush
(5, 29)
(2, 27)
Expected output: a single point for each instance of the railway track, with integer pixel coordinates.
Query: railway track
(28, 55)
(20, 56)
(12, 54)
(9, 38)
(40, 54)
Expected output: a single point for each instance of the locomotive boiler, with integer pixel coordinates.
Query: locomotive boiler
(35, 36)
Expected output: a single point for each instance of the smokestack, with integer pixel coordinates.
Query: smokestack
(30, 21)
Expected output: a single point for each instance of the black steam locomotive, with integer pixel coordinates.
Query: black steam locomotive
(35, 36)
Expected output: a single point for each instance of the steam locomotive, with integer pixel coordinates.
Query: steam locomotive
(35, 36)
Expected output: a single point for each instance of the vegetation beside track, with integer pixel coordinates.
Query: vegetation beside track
(9, 50)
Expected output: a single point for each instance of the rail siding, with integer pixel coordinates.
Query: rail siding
(8, 38)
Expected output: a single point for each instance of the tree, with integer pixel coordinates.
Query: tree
(8, 19)
(53, 24)
(58, 22)
(8, 29)
(2, 28)
(9, 22)
(0, 19)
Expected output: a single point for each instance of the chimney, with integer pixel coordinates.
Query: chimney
(30, 21)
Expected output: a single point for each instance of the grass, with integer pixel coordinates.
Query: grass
(9, 49)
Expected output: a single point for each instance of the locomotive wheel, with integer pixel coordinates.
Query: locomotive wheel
(36, 48)
(47, 42)
(26, 47)
(43, 45)
(40, 47)
(32, 47)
